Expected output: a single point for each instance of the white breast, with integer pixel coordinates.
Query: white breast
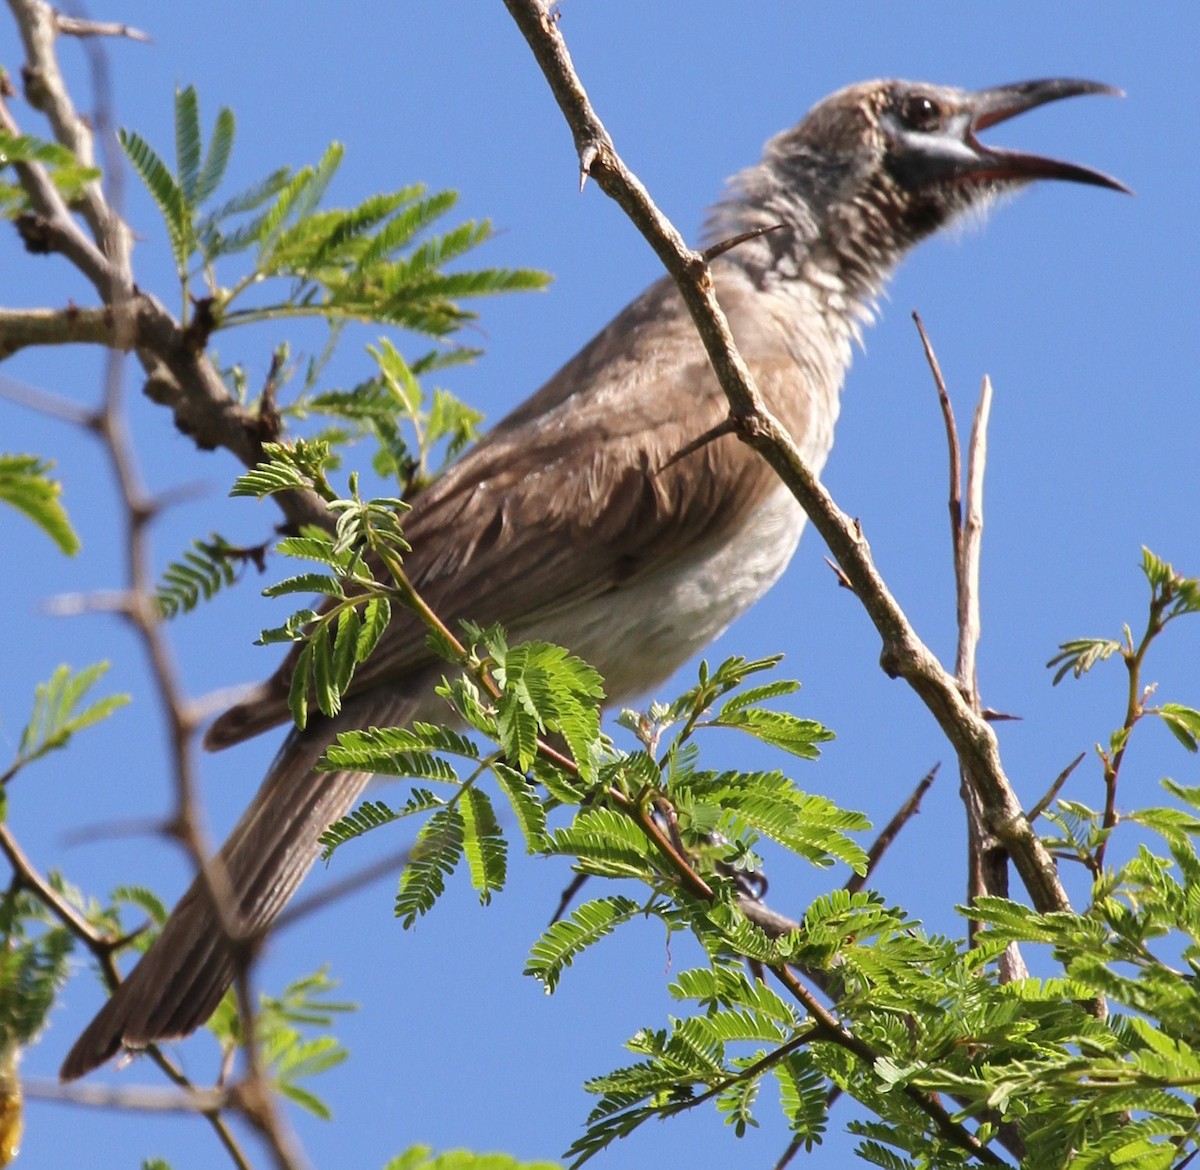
(638, 636)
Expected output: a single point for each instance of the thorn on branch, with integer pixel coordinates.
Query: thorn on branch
(587, 156)
(724, 246)
(567, 897)
(994, 716)
(840, 573)
(74, 26)
(727, 426)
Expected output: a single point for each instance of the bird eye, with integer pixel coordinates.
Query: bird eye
(920, 112)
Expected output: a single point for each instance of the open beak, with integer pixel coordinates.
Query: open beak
(988, 107)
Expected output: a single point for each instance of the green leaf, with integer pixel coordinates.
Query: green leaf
(300, 464)
(726, 985)
(483, 843)
(369, 815)
(407, 224)
(565, 940)
(311, 546)
(435, 854)
(220, 147)
(1079, 656)
(165, 191)
(295, 629)
(214, 240)
(25, 485)
(34, 964)
(528, 809)
(421, 1158)
(203, 570)
(453, 420)
(607, 844)
(804, 1095)
(345, 645)
(65, 171)
(760, 694)
(16, 148)
(397, 751)
(1157, 571)
(777, 728)
(296, 200)
(187, 142)
(546, 689)
(375, 617)
(298, 689)
(289, 1056)
(325, 689)
(349, 265)
(769, 803)
(320, 583)
(373, 814)
(58, 712)
(1183, 722)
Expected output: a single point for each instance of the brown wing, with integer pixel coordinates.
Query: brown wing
(569, 497)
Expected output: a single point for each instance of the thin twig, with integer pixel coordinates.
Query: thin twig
(136, 1098)
(73, 26)
(987, 871)
(51, 405)
(1056, 787)
(891, 830)
(49, 897)
(970, 625)
(568, 896)
(952, 446)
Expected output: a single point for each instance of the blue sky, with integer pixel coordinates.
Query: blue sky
(1080, 304)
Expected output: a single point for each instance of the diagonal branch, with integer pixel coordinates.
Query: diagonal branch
(903, 654)
(46, 90)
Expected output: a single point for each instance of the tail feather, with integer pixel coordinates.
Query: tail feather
(180, 980)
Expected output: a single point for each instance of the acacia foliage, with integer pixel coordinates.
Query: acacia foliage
(951, 1064)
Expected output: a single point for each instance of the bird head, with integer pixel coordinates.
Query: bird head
(877, 167)
(923, 142)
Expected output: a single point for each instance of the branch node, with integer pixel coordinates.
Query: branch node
(891, 661)
(36, 233)
(37, 90)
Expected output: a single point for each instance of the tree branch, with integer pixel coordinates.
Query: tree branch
(45, 90)
(903, 654)
(20, 328)
(180, 375)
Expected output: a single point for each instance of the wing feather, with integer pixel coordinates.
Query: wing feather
(570, 496)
